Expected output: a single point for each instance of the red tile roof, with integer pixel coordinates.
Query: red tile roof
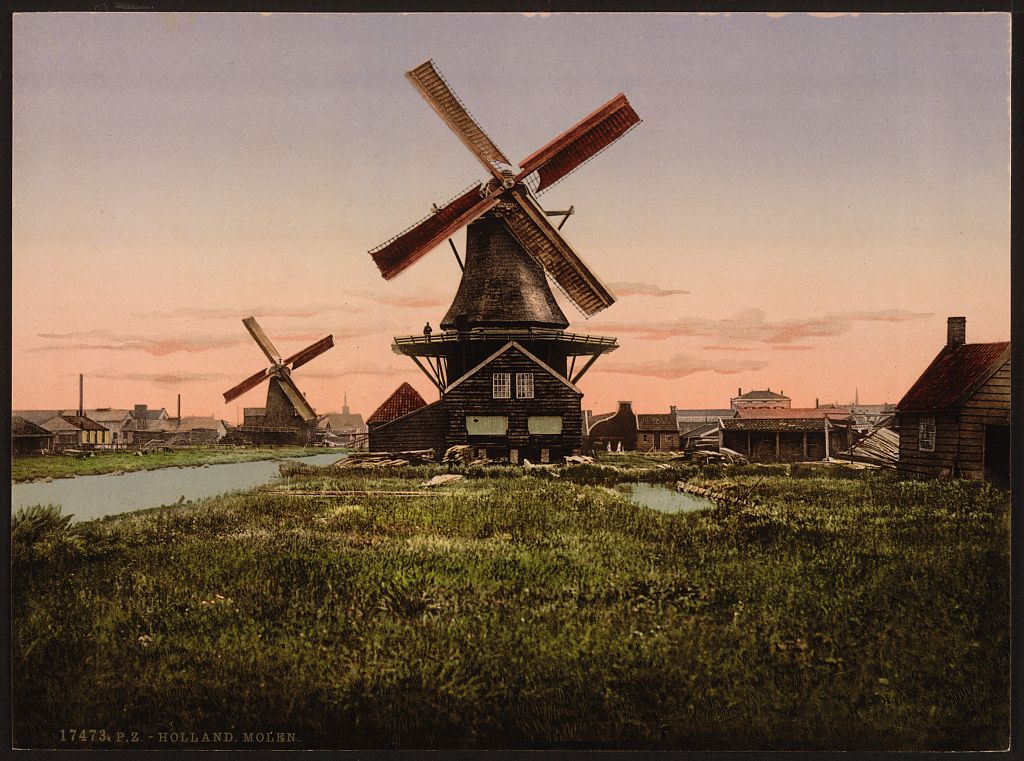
(954, 375)
(792, 413)
(406, 399)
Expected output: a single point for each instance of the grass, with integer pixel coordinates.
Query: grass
(528, 612)
(31, 467)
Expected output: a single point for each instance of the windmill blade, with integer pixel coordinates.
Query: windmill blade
(261, 339)
(429, 82)
(579, 143)
(531, 228)
(295, 397)
(310, 352)
(398, 253)
(249, 383)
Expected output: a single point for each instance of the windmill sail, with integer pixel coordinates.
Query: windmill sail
(310, 352)
(531, 228)
(581, 142)
(435, 90)
(398, 253)
(295, 397)
(249, 383)
(261, 339)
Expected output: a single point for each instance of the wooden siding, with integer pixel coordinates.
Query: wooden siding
(423, 429)
(619, 428)
(959, 434)
(551, 397)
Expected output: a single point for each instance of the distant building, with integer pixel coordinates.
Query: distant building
(346, 427)
(76, 432)
(657, 433)
(195, 430)
(114, 420)
(27, 437)
(955, 419)
(763, 399)
(617, 430)
(145, 425)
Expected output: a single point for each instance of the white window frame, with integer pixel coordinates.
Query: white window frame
(926, 433)
(524, 385)
(501, 385)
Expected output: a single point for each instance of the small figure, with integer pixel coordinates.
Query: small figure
(620, 447)
(609, 446)
(427, 330)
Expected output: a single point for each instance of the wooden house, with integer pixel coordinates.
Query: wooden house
(511, 406)
(113, 419)
(955, 419)
(657, 433)
(27, 437)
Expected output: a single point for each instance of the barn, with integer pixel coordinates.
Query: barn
(27, 437)
(616, 431)
(955, 420)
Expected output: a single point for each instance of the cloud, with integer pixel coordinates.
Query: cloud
(382, 298)
(623, 290)
(681, 365)
(750, 326)
(161, 346)
(172, 378)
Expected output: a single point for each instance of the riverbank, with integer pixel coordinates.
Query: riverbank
(527, 611)
(31, 467)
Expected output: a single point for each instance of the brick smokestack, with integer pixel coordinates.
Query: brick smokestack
(179, 406)
(956, 332)
(81, 394)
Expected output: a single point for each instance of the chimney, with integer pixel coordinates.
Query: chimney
(739, 392)
(672, 409)
(179, 406)
(81, 394)
(816, 403)
(956, 332)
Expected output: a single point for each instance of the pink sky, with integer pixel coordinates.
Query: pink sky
(805, 203)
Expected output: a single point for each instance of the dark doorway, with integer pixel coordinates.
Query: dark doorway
(997, 453)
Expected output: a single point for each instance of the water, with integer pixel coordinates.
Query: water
(88, 497)
(665, 498)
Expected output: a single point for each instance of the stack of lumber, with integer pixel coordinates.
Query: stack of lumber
(880, 447)
(363, 460)
(578, 459)
(708, 456)
(463, 454)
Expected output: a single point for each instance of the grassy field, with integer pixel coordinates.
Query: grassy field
(518, 611)
(30, 467)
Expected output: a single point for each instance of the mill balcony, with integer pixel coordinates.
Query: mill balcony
(442, 343)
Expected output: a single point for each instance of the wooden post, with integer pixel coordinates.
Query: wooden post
(750, 451)
(805, 445)
(778, 449)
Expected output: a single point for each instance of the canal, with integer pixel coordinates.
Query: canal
(88, 497)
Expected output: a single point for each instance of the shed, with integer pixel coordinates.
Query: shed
(27, 437)
(657, 433)
(955, 419)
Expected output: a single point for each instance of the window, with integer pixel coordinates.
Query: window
(541, 424)
(926, 433)
(501, 385)
(524, 385)
(486, 425)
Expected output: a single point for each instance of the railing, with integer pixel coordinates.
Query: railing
(508, 334)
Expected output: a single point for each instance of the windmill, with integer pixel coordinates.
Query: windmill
(512, 250)
(288, 416)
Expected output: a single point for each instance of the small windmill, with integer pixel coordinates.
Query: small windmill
(287, 410)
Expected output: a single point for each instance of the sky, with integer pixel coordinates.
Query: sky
(806, 201)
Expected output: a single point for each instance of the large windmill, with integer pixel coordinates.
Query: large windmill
(504, 296)
(288, 417)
